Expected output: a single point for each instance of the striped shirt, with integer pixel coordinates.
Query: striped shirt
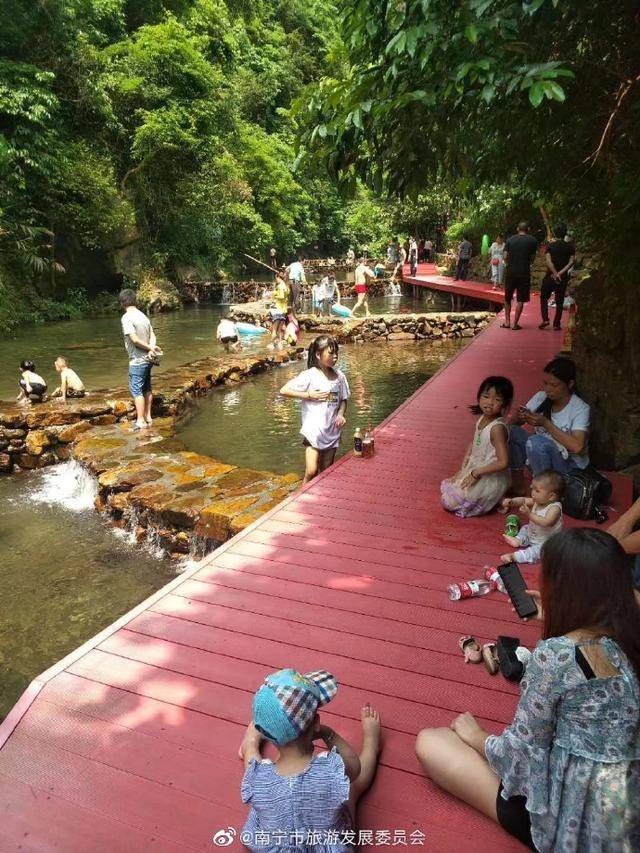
(305, 813)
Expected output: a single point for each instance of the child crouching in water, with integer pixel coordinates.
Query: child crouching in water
(545, 518)
(485, 476)
(33, 388)
(70, 383)
(303, 795)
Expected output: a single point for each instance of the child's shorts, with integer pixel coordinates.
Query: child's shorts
(531, 552)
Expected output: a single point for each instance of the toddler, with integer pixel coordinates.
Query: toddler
(545, 517)
(70, 383)
(303, 794)
(33, 388)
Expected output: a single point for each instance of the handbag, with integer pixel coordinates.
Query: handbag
(586, 494)
(495, 262)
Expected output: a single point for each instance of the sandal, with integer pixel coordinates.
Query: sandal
(505, 326)
(516, 328)
(490, 658)
(470, 649)
(544, 324)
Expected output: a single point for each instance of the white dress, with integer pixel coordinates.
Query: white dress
(483, 494)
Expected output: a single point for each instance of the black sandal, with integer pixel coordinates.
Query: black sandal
(544, 324)
(516, 328)
(505, 326)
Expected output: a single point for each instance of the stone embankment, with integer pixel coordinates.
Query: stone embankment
(389, 327)
(148, 481)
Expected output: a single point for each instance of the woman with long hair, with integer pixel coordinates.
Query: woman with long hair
(560, 419)
(565, 775)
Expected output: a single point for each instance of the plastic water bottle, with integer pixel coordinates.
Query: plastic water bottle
(468, 589)
(492, 575)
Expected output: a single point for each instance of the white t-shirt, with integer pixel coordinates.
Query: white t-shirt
(496, 250)
(574, 416)
(318, 416)
(296, 271)
(538, 534)
(320, 290)
(226, 329)
(134, 322)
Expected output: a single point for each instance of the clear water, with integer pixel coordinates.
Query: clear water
(93, 345)
(251, 425)
(65, 574)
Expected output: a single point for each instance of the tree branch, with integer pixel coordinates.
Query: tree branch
(623, 91)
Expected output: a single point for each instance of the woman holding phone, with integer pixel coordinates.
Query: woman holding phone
(565, 775)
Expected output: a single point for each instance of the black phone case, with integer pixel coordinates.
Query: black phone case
(515, 585)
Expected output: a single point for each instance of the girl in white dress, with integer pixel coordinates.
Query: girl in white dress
(496, 260)
(484, 478)
(324, 392)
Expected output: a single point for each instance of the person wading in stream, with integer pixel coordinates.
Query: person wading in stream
(140, 343)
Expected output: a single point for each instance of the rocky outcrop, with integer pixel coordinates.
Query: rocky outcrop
(158, 294)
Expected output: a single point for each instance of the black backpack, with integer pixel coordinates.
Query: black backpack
(586, 494)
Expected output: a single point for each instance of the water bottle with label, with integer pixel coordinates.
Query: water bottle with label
(357, 442)
(492, 575)
(468, 589)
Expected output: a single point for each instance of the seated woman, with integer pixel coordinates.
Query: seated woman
(565, 775)
(560, 420)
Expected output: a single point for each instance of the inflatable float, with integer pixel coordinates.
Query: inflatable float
(249, 329)
(341, 310)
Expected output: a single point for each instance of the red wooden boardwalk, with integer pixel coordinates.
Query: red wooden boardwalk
(129, 744)
(428, 277)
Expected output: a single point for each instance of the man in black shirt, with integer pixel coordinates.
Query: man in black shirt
(520, 250)
(560, 256)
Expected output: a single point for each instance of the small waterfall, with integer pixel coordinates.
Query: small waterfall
(392, 288)
(226, 295)
(69, 485)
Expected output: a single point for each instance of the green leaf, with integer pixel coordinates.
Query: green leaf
(555, 91)
(536, 94)
(488, 93)
(471, 33)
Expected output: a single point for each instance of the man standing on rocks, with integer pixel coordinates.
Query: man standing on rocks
(140, 343)
(519, 252)
(297, 279)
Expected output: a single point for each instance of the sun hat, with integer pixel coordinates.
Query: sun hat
(287, 702)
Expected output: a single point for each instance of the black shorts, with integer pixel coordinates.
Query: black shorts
(37, 390)
(514, 817)
(229, 339)
(518, 284)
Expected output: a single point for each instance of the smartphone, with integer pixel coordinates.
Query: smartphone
(515, 585)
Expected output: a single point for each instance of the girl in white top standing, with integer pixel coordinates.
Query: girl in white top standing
(484, 477)
(496, 259)
(324, 392)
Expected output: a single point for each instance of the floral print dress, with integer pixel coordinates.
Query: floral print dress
(573, 750)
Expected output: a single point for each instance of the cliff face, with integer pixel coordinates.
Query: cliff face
(607, 352)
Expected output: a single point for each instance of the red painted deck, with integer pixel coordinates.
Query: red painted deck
(129, 743)
(428, 277)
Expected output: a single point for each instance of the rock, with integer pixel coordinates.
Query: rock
(118, 502)
(119, 407)
(36, 442)
(12, 434)
(6, 464)
(400, 336)
(158, 294)
(26, 460)
(69, 433)
(104, 420)
(127, 477)
(63, 452)
(44, 418)
(48, 458)
(16, 419)
(467, 333)
(215, 519)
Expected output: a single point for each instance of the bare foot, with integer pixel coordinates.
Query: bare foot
(251, 742)
(370, 726)
(507, 558)
(511, 540)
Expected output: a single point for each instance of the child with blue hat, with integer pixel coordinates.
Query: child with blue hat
(303, 800)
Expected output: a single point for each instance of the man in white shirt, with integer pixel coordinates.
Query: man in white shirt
(140, 344)
(297, 279)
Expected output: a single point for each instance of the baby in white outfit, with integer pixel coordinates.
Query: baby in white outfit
(545, 517)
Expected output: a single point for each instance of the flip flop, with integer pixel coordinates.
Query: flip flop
(516, 328)
(505, 326)
(490, 658)
(544, 324)
(470, 649)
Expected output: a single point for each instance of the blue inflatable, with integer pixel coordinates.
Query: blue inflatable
(341, 310)
(249, 329)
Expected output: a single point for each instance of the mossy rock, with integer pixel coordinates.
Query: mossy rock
(158, 294)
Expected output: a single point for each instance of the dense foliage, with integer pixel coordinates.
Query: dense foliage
(154, 134)
(540, 97)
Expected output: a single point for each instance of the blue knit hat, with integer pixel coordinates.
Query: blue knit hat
(287, 702)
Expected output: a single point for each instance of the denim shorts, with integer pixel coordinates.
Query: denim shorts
(139, 379)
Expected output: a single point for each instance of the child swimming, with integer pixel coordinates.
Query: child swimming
(70, 383)
(33, 388)
(324, 392)
(545, 517)
(484, 477)
(302, 794)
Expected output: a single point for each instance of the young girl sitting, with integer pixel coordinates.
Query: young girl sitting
(32, 386)
(545, 517)
(484, 477)
(302, 796)
(324, 392)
